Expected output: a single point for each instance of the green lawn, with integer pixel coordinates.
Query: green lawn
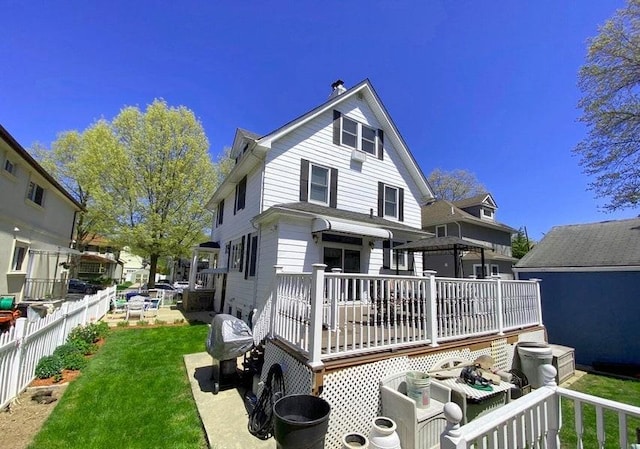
(133, 394)
(626, 391)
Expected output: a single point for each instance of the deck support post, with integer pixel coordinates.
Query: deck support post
(317, 304)
(433, 306)
(274, 301)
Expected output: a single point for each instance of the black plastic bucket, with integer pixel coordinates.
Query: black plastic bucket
(300, 422)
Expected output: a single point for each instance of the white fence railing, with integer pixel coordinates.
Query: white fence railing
(534, 421)
(27, 342)
(360, 312)
(45, 288)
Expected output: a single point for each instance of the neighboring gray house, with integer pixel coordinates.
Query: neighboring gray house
(473, 220)
(590, 288)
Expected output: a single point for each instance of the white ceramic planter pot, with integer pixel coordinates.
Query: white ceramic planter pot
(383, 434)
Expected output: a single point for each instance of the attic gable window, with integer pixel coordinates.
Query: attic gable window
(356, 135)
(487, 213)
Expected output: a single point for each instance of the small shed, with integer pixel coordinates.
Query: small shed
(590, 289)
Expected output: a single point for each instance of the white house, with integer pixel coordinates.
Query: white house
(37, 217)
(337, 185)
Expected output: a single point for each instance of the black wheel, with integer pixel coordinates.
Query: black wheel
(216, 387)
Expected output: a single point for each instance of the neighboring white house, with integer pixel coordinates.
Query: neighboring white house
(37, 217)
(337, 185)
(134, 269)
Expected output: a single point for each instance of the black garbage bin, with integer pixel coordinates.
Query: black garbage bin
(300, 422)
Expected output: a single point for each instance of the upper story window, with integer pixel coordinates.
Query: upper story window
(241, 194)
(441, 231)
(9, 167)
(220, 213)
(359, 136)
(487, 212)
(36, 193)
(19, 255)
(318, 184)
(390, 201)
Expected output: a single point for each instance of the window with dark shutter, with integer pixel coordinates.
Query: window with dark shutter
(241, 194)
(380, 144)
(304, 180)
(241, 254)
(254, 256)
(336, 127)
(220, 217)
(333, 191)
(386, 254)
(247, 251)
(380, 199)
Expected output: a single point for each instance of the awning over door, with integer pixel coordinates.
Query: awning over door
(326, 225)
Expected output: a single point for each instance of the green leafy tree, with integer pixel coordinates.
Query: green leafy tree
(609, 80)
(71, 161)
(520, 244)
(224, 164)
(161, 178)
(454, 185)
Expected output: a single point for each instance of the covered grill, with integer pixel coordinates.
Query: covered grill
(228, 339)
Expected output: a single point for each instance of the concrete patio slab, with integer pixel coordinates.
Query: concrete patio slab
(224, 416)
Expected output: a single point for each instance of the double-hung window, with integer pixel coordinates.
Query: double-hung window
(358, 136)
(36, 193)
(390, 202)
(319, 184)
(241, 194)
(9, 166)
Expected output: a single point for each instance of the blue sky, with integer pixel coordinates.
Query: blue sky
(487, 86)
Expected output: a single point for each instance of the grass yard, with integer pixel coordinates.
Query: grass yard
(134, 393)
(626, 391)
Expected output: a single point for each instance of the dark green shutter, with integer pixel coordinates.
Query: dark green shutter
(380, 199)
(241, 253)
(400, 204)
(336, 127)
(386, 254)
(246, 267)
(380, 144)
(304, 180)
(333, 190)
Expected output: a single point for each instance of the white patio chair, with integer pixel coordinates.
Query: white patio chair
(417, 427)
(135, 306)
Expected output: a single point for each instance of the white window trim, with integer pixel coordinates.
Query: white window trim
(25, 260)
(328, 187)
(441, 227)
(484, 213)
(477, 265)
(497, 267)
(384, 201)
(236, 255)
(359, 136)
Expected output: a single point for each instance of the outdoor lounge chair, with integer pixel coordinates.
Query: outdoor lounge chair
(135, 306)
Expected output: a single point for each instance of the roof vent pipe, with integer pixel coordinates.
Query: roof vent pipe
(337, 88)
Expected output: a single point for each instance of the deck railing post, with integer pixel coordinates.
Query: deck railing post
(499, 299)
(274, 300)
(450, 438)
(433, 306)
(538, 299)
(548, 375)
(317, 303)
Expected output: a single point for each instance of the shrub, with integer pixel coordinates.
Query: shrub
(122, 324)
(71, 356)
(82, 346)
(90, 333)
(49, 366)
(124, 286)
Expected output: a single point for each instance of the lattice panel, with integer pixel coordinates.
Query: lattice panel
(354, 397)
(298, 378)
(499, 353)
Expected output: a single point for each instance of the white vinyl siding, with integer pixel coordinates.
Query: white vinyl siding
(357, 189)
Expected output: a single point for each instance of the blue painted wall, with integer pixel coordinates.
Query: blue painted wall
(597, 313)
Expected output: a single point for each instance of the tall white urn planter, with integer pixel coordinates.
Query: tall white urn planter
(383, 434)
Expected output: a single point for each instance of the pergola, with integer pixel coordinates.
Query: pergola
(444, 245)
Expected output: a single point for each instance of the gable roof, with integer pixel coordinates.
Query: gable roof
(442, 212)
(481, 199)
(13, 143)
(603, 244)
(261, 145)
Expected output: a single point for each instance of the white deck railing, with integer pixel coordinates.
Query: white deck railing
(328, 314)
(534, 421)
(27, 342)
(45, 288)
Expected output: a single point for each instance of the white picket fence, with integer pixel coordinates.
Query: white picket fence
(27, 342)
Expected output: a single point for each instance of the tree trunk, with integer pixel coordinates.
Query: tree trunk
(153, 266)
